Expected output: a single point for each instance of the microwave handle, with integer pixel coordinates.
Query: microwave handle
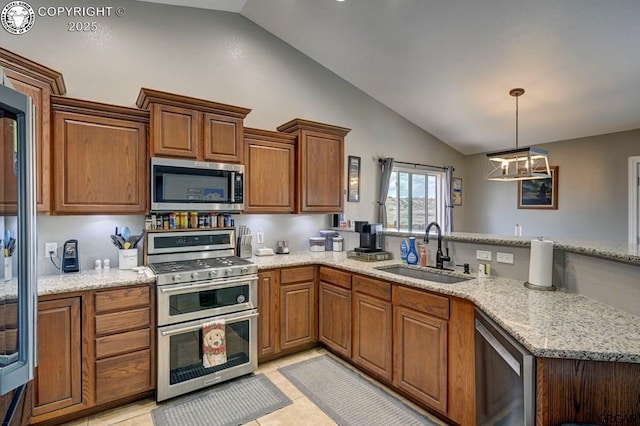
(233, 187)
(198, 326)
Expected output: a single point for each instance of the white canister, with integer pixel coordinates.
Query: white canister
(127, 259)
(7, 269)
(317, 243)
(338, 243)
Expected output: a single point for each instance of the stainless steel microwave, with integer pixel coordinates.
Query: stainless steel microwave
(186, 185)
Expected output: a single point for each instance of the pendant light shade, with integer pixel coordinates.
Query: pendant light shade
(519, 163)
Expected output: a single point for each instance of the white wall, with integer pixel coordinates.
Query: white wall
(226, 58)
(592, 192)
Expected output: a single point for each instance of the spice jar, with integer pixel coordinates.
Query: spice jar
(193, 220)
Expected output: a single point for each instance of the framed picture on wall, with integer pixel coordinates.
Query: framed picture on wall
(353, 173)
(539, 193)
(456, 191)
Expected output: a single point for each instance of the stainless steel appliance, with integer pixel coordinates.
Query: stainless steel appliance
(18, 294)
(505, 374)
(185, 185)
(200, 281)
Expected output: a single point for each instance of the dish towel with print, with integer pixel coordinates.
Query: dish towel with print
(214, 344)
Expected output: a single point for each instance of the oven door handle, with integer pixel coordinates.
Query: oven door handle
(497, 346)
(208, 284)
(199, 325)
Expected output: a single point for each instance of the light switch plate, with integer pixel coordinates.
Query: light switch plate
(504, 258)
(483, 255)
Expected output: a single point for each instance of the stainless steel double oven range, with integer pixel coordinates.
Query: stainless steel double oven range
(199, 280)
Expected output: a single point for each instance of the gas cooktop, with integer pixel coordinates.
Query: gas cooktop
(202, 269)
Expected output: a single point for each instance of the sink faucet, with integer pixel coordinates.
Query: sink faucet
(440, 258)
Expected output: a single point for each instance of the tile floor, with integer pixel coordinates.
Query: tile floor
(301, 412)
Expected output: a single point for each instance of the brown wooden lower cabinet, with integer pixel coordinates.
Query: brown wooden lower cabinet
(590, 392)
(57, 383)
(298, 315)
(268, 318)
(372, 332)
(420, 350)
(334, 322)
(95, 347)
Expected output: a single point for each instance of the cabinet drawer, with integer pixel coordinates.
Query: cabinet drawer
(375, 288)
(423, 301)
(120, 343)
(295, 275)
(122, 299)
(339, 278)
(122, 376)
(122, 321)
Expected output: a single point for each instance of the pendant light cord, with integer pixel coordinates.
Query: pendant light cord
(517, 121)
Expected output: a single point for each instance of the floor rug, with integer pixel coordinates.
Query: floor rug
(347, 397)
(229, 404)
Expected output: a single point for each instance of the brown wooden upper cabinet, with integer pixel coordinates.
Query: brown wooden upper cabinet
(38, 82)
(198, 129)
(100, 158)
(269, 159)
(320, 165)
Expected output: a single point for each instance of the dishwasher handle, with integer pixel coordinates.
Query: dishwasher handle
(497, 346)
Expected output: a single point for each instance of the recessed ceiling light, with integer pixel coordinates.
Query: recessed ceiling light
(339, 1)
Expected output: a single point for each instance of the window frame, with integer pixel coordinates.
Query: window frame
(439, 196)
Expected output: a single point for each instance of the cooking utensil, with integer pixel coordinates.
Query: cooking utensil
(126, 233)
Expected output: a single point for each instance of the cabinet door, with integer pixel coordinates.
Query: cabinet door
(334, 307)
(269, 177)
(268, 324)
(420, 351)
(298, 313)
(57, 382)
(99, 164)
(175, 131)
(39, 93)
(222, 138)
(372, 327)
(321, 168)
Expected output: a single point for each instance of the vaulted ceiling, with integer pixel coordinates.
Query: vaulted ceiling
(448, 66)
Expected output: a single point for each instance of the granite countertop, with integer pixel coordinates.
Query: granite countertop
(611, 250)
(92, 280)
(549, 324)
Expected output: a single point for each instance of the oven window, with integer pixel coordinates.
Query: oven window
(209, 299)
(186, 352)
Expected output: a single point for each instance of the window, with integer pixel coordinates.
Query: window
(415, 199)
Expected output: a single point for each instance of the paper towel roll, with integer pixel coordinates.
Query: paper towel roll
(541, 263)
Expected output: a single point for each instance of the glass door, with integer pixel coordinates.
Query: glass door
(18, 295)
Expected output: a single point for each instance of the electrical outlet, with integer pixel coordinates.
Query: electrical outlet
(483, 255)
(51, 248)
(504, 258)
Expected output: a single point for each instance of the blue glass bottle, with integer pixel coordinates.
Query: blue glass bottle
(412, 255)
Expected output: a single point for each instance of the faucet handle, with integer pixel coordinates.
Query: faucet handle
(446, 258)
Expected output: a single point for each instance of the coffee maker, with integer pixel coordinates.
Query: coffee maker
(370, 236)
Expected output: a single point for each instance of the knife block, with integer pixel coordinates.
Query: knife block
(244, 250)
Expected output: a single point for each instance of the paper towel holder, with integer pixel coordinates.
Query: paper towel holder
(530, 286)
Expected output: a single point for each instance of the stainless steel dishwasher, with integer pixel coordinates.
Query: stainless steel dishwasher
(505, 377)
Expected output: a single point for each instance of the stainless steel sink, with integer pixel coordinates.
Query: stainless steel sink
(422, 274)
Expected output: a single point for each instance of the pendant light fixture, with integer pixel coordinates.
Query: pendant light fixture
(519, 163)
